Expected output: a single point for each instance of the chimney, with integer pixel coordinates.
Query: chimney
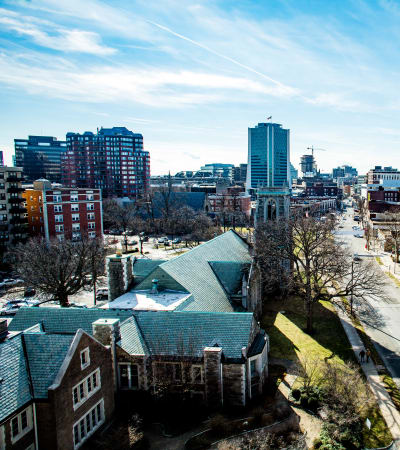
(106, 331)
(154, 286)
(3, 329)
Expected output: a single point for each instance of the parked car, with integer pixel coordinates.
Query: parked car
(11, 282)
(116, 232)
(133, 242)
(162, 240)
(102, 294)
(12, 306)
(357, 258)
(77, 305)
(177, 241)
(359, 235)
(145, 239)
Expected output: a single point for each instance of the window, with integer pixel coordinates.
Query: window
(76, 226)
(90, 206)
(170, 371)
(56, 198)
(91, 225)
(92, 234)
(88, 424)
(128, 376)
(75, 207)
(90, 216)
(59, 218)
(89, 197)
(59, 228)
(197, 374)
(74, 197)
(57, 208)
(86, 388)
(60, 237)
(21, 424)
(85, 359)
(75, 217)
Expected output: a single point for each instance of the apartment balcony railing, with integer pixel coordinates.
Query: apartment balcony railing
(18, 210)
(15, 189)
(16, 200)
(12, 178)
(18, 220)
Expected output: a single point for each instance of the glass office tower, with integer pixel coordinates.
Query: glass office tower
(268, 156)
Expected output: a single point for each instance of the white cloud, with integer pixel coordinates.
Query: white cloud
(112, 84)
(60, 38)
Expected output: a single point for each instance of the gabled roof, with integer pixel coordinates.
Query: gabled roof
(187, 333)
(63, 320)
(143, 267)
(132, 340)
(230, 274)
(14, 385)
(151, 332)
(193, 271)
(45, 353)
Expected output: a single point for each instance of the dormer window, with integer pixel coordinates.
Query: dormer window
(85, 359)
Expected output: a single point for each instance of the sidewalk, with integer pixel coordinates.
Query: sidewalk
(388, 410)
(387, 263)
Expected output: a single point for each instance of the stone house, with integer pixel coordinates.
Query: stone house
(219, 275)
(56, 390)
(219, 358)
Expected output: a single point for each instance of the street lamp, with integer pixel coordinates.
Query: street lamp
(355, 260)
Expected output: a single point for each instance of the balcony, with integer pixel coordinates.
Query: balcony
(15, 189)
(18, 220)
(21, 229)
(18, 210)
(16, 200)
(13, 178)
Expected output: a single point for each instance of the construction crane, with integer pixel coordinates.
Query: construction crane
(312, 149)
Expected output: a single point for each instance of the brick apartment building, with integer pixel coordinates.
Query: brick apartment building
(13, 228)
(320, 189)
(112, 160)
(57, 389)
(64, 213)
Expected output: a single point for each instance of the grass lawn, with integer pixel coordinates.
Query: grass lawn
(285, 324)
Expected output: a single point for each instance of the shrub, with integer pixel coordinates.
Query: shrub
(304, 400)
(313, 403)
(296, 394)
(317, 443)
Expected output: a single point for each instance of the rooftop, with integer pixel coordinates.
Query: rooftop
(166, 300)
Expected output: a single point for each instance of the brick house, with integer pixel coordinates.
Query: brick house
(220, 358)
(56, 390)
(64, 213)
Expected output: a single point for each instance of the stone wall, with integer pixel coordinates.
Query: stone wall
(119, 271)
(234, 384)
(213, 376)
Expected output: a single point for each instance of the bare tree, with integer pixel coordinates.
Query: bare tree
(123, 217)
(60, 269)
(317, 267)
(363, 211)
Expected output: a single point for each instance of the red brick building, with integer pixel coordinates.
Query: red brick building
(64, 213)
(112, 160)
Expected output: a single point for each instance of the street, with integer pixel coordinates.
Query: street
(381, 318)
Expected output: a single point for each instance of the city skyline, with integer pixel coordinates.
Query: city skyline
(193, 78)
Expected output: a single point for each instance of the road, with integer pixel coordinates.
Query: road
(381, 319)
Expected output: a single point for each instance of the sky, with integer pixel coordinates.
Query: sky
(192, 76)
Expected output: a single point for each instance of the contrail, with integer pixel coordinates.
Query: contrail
(210, 50)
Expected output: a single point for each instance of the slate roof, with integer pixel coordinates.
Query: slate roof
(210, 284)
(187, 333)
(146, 332)
(132, 340)
(46, 353)
(63, 320)
(143, 267)
(14, 387)
(258, 344)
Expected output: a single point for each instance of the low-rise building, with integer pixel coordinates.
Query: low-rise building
(64, 213)
(56, 389)
(219, 358)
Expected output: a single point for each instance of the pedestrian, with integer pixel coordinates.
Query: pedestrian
(362, 356)
(368, 354)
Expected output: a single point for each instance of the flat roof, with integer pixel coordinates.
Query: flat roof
(144, 300)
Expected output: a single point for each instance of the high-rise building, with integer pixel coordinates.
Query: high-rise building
(379, 174)
(268, 156)
(308, 166)
(1, 158)
(294, 173)
(219, 170)
(113, 160)
(40, 157)
(13, 228)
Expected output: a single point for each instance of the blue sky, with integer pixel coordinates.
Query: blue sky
(193, 76)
